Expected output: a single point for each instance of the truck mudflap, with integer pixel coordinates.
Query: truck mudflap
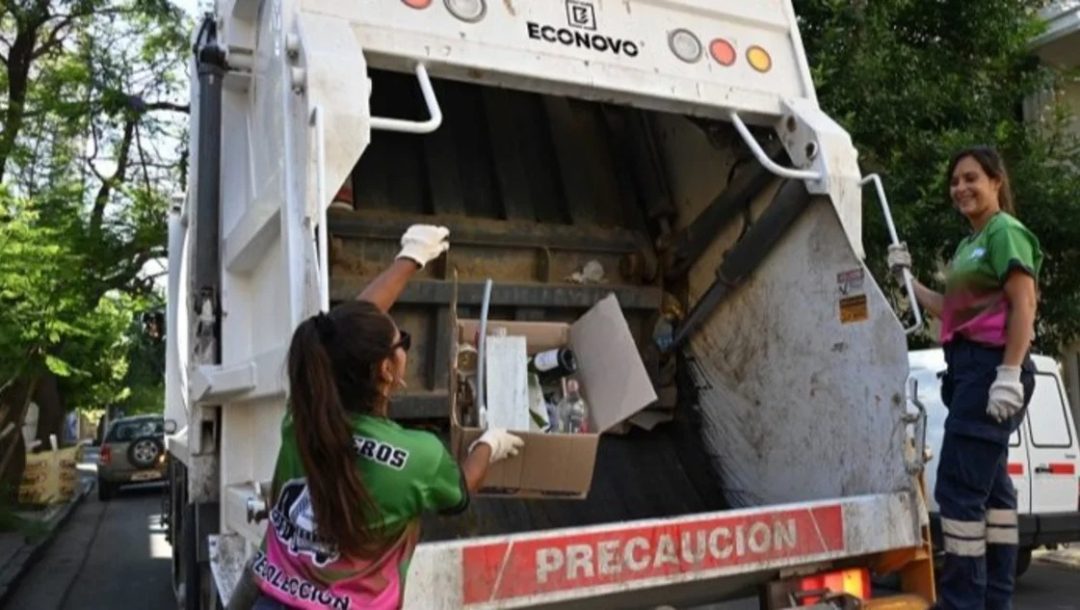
(695, 558)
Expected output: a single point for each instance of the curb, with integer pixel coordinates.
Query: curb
(25, 557)
(1065, 559)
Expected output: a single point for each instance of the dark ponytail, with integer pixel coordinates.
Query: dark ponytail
(991, 163)
(333, 368)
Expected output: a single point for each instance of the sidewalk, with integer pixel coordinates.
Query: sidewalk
(18, 551)
(1068, 557)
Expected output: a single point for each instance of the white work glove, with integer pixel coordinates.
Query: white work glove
(424, 243)
(502, 443)
(1006, 394)
(899, 259)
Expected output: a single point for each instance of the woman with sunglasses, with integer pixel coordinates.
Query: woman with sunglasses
(350, 484)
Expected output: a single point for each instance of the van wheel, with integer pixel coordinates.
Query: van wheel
(1023, 560)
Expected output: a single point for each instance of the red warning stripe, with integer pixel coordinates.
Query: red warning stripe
(1062, 468)
(1016, 468)
(546, 565)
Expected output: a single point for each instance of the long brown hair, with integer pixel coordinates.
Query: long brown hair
(991, 163)
(334, 362)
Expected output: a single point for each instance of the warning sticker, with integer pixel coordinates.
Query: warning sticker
(854, 309)
(850, 282)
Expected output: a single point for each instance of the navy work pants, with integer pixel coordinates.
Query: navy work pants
(975, 495)
(978, 522)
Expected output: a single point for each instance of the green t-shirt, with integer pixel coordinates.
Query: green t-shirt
(976, 307)
(406, 472)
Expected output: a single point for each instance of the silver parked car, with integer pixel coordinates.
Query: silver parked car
(133, 452)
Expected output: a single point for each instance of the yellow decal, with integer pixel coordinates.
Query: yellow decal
(854, 309)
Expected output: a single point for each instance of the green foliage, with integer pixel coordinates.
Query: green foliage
(50, 319)
(914, 81)
(93, 115)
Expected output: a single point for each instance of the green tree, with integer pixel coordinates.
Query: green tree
(916, 80)
(93, 114)
(44, 325)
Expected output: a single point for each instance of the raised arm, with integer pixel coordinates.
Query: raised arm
(384, 290)
(420, 245)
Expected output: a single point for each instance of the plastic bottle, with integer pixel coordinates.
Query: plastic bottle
(572, 411)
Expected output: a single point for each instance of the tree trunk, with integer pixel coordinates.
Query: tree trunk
(12, 462)
(50, 409)
(20, 58)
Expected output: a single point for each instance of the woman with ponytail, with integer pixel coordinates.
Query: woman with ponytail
(350, 484)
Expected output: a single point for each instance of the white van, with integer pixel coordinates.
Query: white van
(1044, 455)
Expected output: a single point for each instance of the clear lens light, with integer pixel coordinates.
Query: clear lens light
(467, 10)
(685, 45)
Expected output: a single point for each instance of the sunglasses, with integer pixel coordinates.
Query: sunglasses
(404, 342)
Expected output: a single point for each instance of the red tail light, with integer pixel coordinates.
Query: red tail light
(855, 581)
(105, 456)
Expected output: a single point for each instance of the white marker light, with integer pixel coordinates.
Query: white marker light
(685, 45)
(469, 11)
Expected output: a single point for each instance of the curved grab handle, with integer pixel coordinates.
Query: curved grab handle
(763, 158)
(404, 126)
(917, 463)
(909, 280)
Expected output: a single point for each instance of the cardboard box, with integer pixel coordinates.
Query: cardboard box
(614, 383)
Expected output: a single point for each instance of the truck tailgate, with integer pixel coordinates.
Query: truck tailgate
(639, 564)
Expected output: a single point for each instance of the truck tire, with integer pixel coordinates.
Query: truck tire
(1023, 560)
(145, 451)
(189, 561)
(197, 590)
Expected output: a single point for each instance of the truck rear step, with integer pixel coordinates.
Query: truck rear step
(640, 564)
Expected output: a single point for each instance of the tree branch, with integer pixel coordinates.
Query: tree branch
(93, 156)
(142, 158)
(97, 215)
(52, 40)
(182, 108)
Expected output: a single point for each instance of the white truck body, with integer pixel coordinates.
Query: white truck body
(795, 379)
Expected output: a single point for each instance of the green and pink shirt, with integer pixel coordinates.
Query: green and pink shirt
(406, 472)
(976, 307)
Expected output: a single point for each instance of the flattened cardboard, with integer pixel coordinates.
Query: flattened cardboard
(613, 381)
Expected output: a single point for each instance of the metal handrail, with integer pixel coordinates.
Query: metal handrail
(763, 158)
(917, 464)
(909, 280)
(435, 113)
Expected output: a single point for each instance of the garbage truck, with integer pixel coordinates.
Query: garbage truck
(671, 153)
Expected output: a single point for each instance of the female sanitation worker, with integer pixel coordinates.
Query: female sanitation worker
(350, 484)
(987, 315)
